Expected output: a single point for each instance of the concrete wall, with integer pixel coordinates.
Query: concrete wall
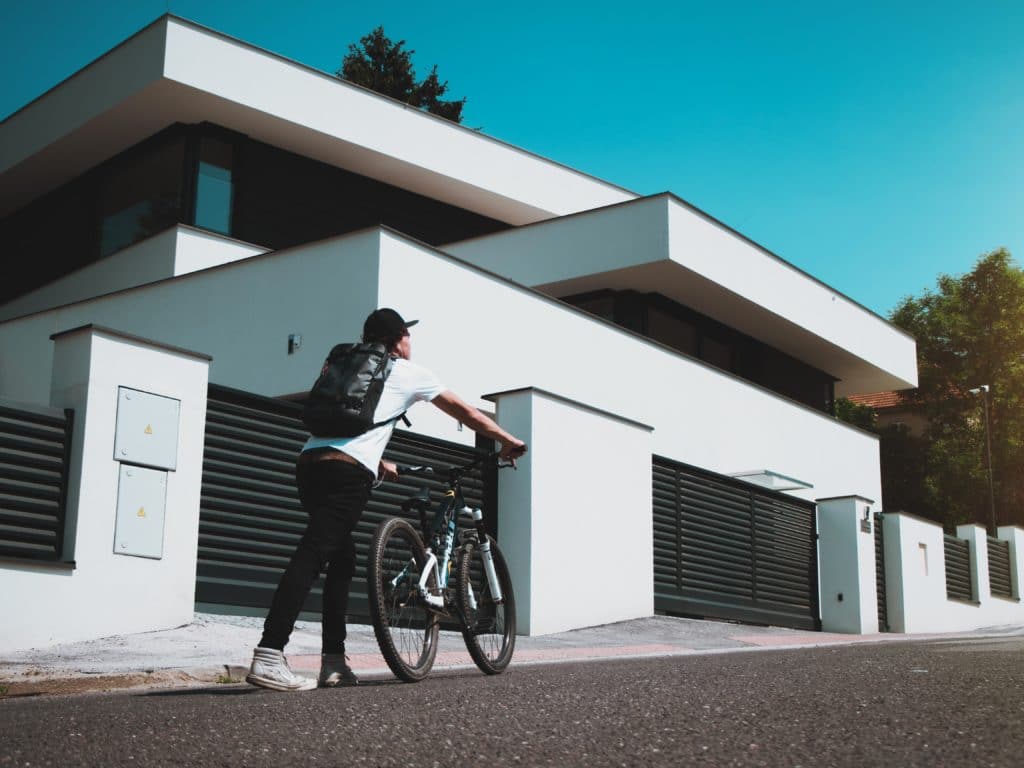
(479, 332)
(107, 593)
(691, 258)
(916, 578)
(846, 566)
(576, 525)
(483, 334)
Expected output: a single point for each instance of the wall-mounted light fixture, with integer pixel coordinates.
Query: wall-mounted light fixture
(294, 342)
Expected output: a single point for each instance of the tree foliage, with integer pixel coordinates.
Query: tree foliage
(386, 67)
(969, 332)
(862, 416)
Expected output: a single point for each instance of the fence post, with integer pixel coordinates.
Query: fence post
(576, 521)
(977, 541)
(1015, 538)
(846, 556)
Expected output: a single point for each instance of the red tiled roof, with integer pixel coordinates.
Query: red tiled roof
(878, 399)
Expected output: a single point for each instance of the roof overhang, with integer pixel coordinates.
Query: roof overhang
(176, 71)
(662, 244)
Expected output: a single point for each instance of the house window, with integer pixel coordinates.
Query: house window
(141, 195)
(214, 188)
(715, 352)
(672, 330)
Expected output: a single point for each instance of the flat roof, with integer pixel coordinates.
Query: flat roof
(174, 70)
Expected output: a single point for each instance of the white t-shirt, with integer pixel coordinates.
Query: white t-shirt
(406, 385)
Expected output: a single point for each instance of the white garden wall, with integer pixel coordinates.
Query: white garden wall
(102, 592)
(916, 578)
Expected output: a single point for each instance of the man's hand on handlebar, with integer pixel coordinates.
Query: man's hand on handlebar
(511, 451)
(387, 470)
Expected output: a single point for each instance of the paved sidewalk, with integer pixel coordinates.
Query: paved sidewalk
(216, 649)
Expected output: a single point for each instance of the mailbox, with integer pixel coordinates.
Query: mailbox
(147, 429)
(141, 501)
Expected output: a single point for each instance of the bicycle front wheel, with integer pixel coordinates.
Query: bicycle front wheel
(489, 627)
(406, 631)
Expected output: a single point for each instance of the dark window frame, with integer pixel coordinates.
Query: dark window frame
(745, 352)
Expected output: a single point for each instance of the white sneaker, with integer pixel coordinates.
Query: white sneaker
(269, 669)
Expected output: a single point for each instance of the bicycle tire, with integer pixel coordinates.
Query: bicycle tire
(406, 631)
(488, 629)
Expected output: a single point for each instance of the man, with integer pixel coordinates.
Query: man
(335, 476)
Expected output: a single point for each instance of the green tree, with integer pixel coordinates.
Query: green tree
(862, 416)
(382, 65)
(969, 332)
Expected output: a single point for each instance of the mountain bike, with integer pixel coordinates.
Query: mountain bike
(419, 578)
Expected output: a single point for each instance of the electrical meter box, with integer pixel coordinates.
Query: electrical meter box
(141, 502)
(147, 429)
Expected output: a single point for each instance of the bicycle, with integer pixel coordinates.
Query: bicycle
(412, 589)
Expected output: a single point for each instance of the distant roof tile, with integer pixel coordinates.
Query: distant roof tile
(878, 400)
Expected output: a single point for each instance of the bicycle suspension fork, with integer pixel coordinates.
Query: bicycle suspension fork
(485, 552)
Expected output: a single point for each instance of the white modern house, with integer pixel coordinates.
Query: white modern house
(195, 221)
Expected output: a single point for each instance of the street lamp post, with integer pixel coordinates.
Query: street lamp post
(983, 391)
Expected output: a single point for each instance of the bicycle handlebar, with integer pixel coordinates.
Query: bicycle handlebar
(457, 470)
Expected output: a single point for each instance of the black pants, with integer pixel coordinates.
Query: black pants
(334, 494)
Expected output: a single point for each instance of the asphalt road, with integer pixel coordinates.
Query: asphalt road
(939, 703)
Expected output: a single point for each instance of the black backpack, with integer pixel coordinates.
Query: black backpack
(344, 397)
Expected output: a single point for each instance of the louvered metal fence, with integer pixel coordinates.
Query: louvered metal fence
(958, 568)
(999, 568)
(35, 449)
(726, 549)
(883, 614)
(250, 516)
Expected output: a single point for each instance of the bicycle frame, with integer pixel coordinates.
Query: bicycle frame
(440, 541)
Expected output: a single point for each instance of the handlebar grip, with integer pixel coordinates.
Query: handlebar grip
(414, 469)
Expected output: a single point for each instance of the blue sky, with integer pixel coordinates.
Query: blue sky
(874, 145)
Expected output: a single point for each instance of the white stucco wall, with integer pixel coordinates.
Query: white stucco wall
(571, 515)
(846, 566)
(242, 313)
(662, 244)
(479, 332)
(916, 579)
(483, 334)
(107, 593)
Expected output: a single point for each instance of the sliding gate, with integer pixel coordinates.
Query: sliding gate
(726, 549)
(250, 518)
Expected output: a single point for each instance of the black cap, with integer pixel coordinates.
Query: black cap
(386, 324)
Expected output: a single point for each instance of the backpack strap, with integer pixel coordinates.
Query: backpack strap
(401, 416)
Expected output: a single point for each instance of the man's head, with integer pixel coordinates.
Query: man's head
(385, 326)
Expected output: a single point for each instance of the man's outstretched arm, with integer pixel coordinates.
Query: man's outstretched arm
(449, 402)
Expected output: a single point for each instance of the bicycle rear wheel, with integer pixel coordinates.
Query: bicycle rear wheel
(406, 631)
(489, 627)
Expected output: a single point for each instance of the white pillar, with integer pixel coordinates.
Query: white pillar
(106, 593)
(575, 519)
(846, 564)
(1015, 537)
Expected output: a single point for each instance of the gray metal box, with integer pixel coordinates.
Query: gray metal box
(141, 502)
(147, 429)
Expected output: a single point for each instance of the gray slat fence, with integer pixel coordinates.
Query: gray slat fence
(883, 614)
(724, 548)
(35, 452)
(958, 568)
(250, 517)
(999, 579)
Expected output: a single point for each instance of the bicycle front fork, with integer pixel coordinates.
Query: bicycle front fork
(485, 552)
